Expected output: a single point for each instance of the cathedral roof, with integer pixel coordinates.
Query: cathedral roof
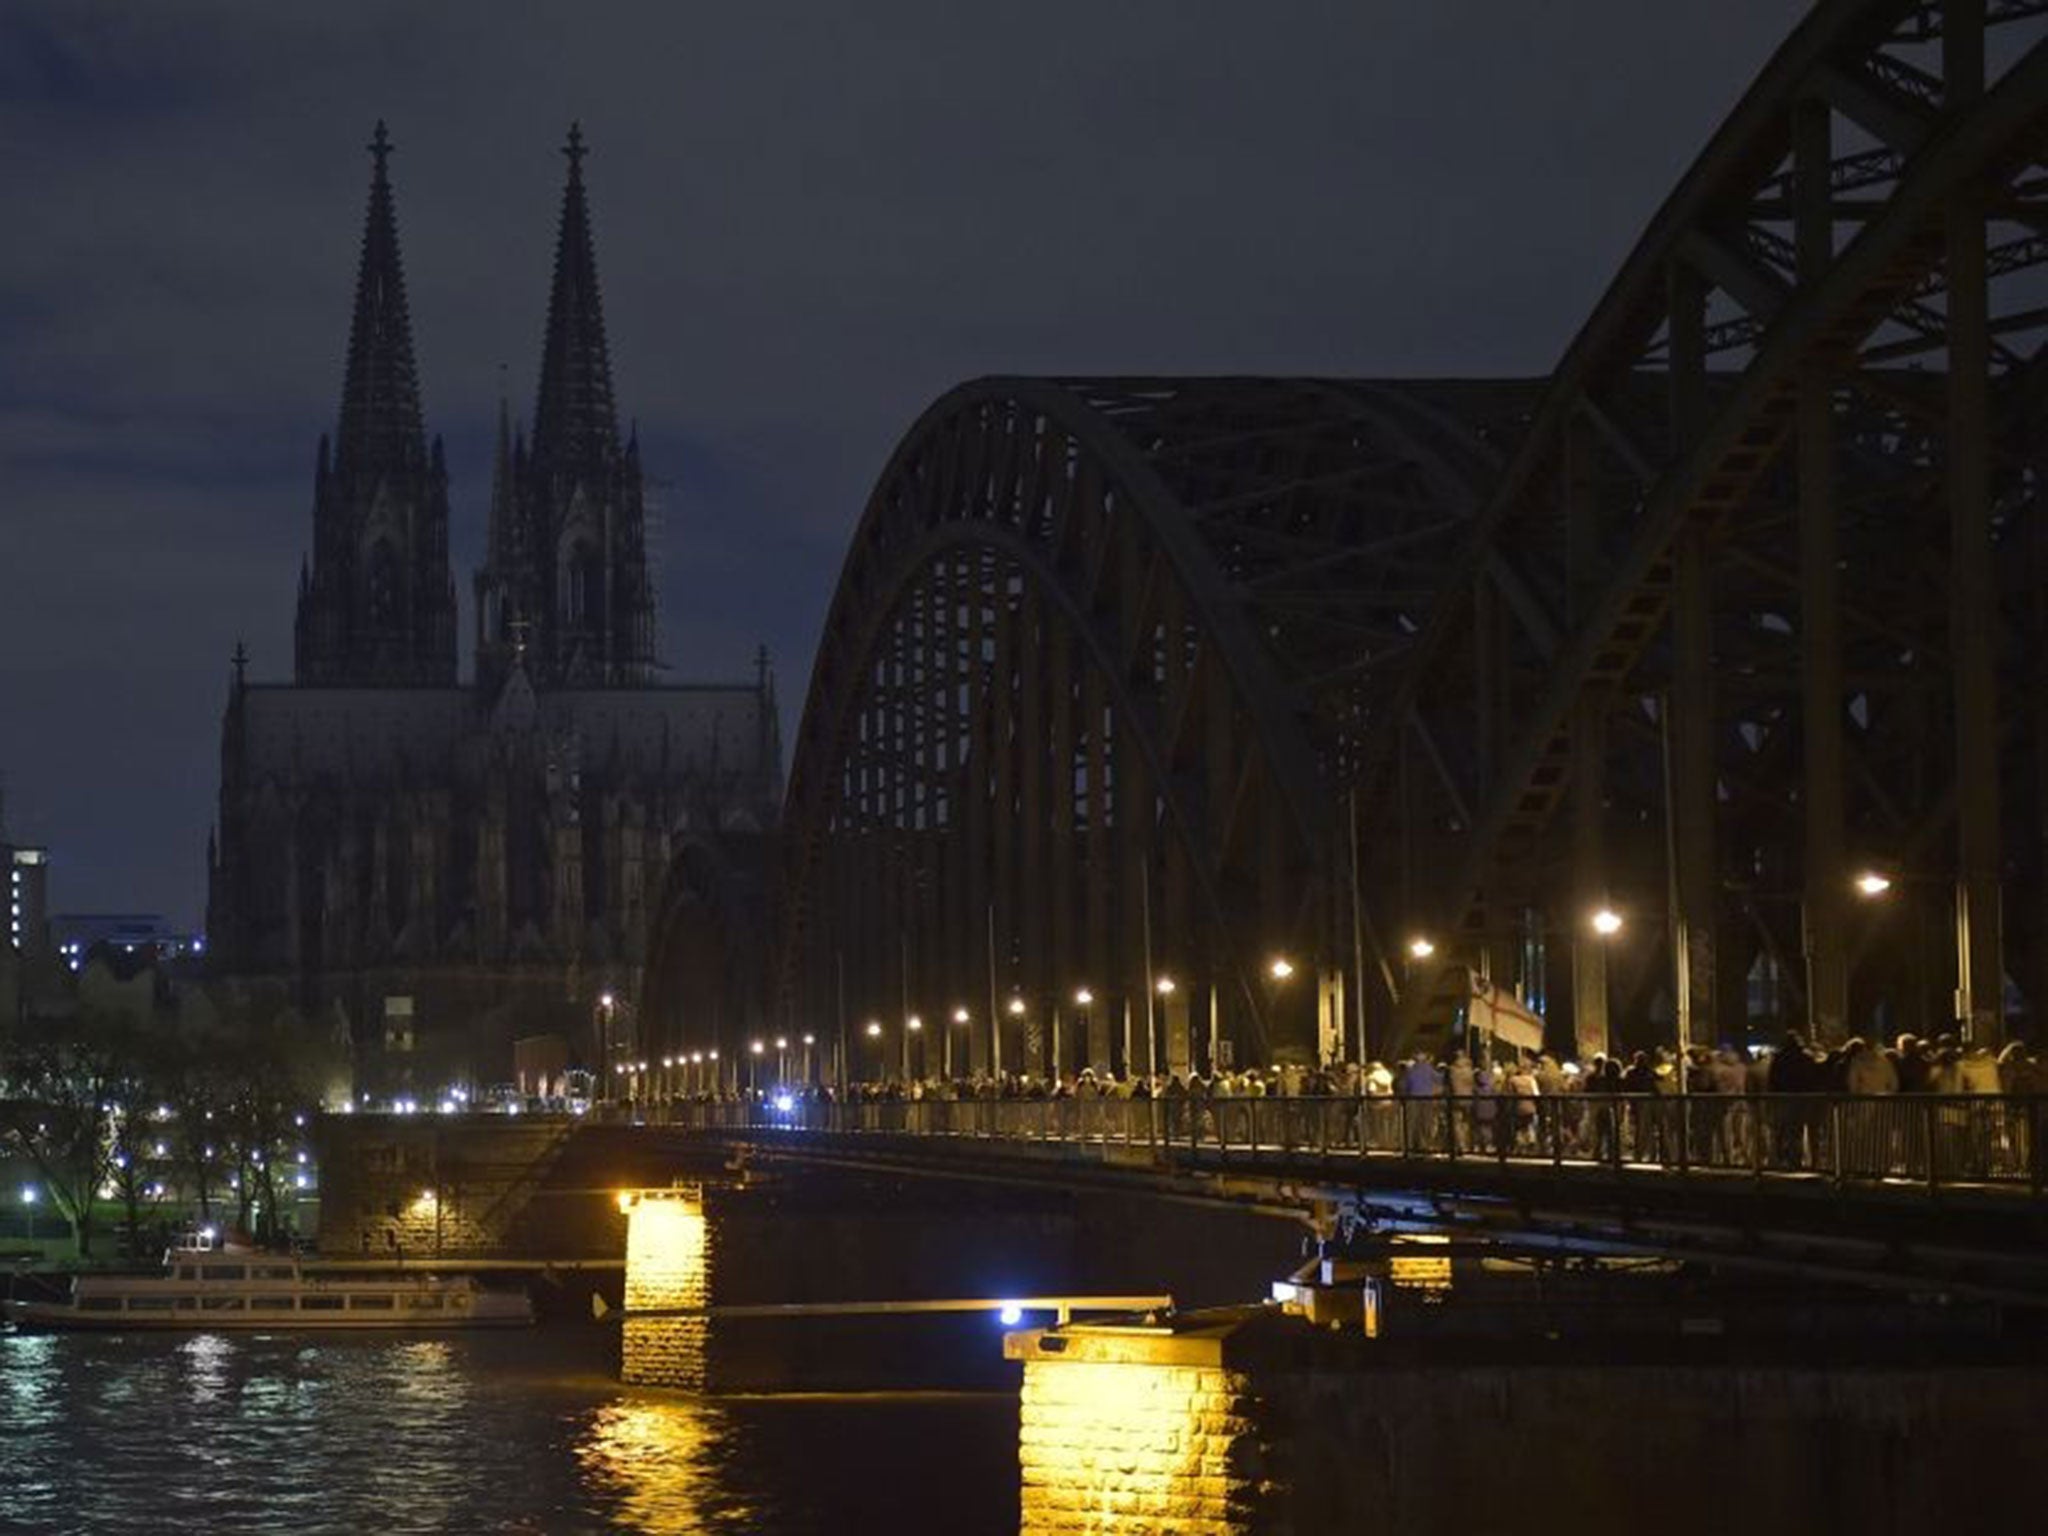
(300, 734)
(575, 424)
(380, 396)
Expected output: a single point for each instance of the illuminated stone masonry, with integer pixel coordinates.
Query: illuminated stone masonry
(668, 1267)
(1140, 1429)
(1248, 1421)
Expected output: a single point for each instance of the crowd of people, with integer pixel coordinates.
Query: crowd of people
(1739, 1107)
(1942, 1065)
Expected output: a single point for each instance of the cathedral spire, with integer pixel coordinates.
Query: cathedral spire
(376, 608)
(380, 394)
(575, 424)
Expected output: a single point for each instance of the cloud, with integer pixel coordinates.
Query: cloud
(811, 220)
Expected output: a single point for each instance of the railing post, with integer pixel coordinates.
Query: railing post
(1835, 1139)
(2033, 1125)
(1932, 1128)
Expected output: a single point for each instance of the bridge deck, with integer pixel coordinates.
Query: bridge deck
(1914, 1191)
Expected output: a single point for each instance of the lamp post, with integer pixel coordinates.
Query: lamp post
(874, 1033)
(962, 1018)
(1165, 987)
(1280, 971)
(1015, 1008)
(607, 1047)
(1084, 1000)
(914, 1025)
(1973, 1022)
(755, 1050)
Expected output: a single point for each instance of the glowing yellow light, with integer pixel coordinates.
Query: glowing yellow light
(1083, 997)
(757, 1047)
(1871, 883)
(1421, 948)
(666, 1270)
(874, 1030)
(1165, 986)
(1281, 968)
(1114, 1445)
(1607, 922)
(782, 1042)
(960, 1015)
(625, 1201)
(1016, 1007)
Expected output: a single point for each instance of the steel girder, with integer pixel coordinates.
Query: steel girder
(1087, 686)
(1780, 507)
(1713, 587)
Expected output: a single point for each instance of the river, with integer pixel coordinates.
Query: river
(525, 1431)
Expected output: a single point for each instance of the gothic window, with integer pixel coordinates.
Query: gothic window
(383, 589)
(582, 592)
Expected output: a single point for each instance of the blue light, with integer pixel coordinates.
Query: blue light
(784, 1102)
(1011, 1315)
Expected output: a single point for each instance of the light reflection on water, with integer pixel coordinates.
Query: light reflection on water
(657, 1458)
(526, 1431)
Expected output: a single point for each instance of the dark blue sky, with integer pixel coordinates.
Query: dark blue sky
(810, 221)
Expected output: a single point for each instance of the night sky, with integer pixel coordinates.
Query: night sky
(810, 221)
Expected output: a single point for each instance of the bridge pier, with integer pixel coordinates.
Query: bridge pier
(668, 1268)
(1252, 1420)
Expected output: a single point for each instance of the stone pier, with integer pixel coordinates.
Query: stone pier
(668, 1267)
(1252, 1421)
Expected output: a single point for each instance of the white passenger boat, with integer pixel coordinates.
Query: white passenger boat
(207, 1288)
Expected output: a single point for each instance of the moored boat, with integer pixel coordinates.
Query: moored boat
(203, 1287)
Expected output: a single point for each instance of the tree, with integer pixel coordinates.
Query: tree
(67, 1080)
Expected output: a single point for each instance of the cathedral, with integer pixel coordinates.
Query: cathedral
(443, 869)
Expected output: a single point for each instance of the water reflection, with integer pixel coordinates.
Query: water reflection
(206, 1358)
(475, 1432)
(654, 1462)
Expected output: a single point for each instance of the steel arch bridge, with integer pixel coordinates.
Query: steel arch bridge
(1133, 687)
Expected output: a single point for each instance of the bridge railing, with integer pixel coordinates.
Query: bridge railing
(1926, 1140)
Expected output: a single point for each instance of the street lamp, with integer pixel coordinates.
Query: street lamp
(1281, 968)
(607, 1046)
(1420, 948)
(1607, 922)
(1872, 884)
(962, 1018)
(1165, 986)
(1016, 1007)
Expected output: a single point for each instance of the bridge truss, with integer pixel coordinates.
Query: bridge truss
(1133, 687)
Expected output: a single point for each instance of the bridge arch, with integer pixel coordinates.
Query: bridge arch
(1141, 676)
(1778, 511)
(1081, 709)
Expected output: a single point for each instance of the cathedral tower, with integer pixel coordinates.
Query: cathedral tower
(565, 584)
(377, 605)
